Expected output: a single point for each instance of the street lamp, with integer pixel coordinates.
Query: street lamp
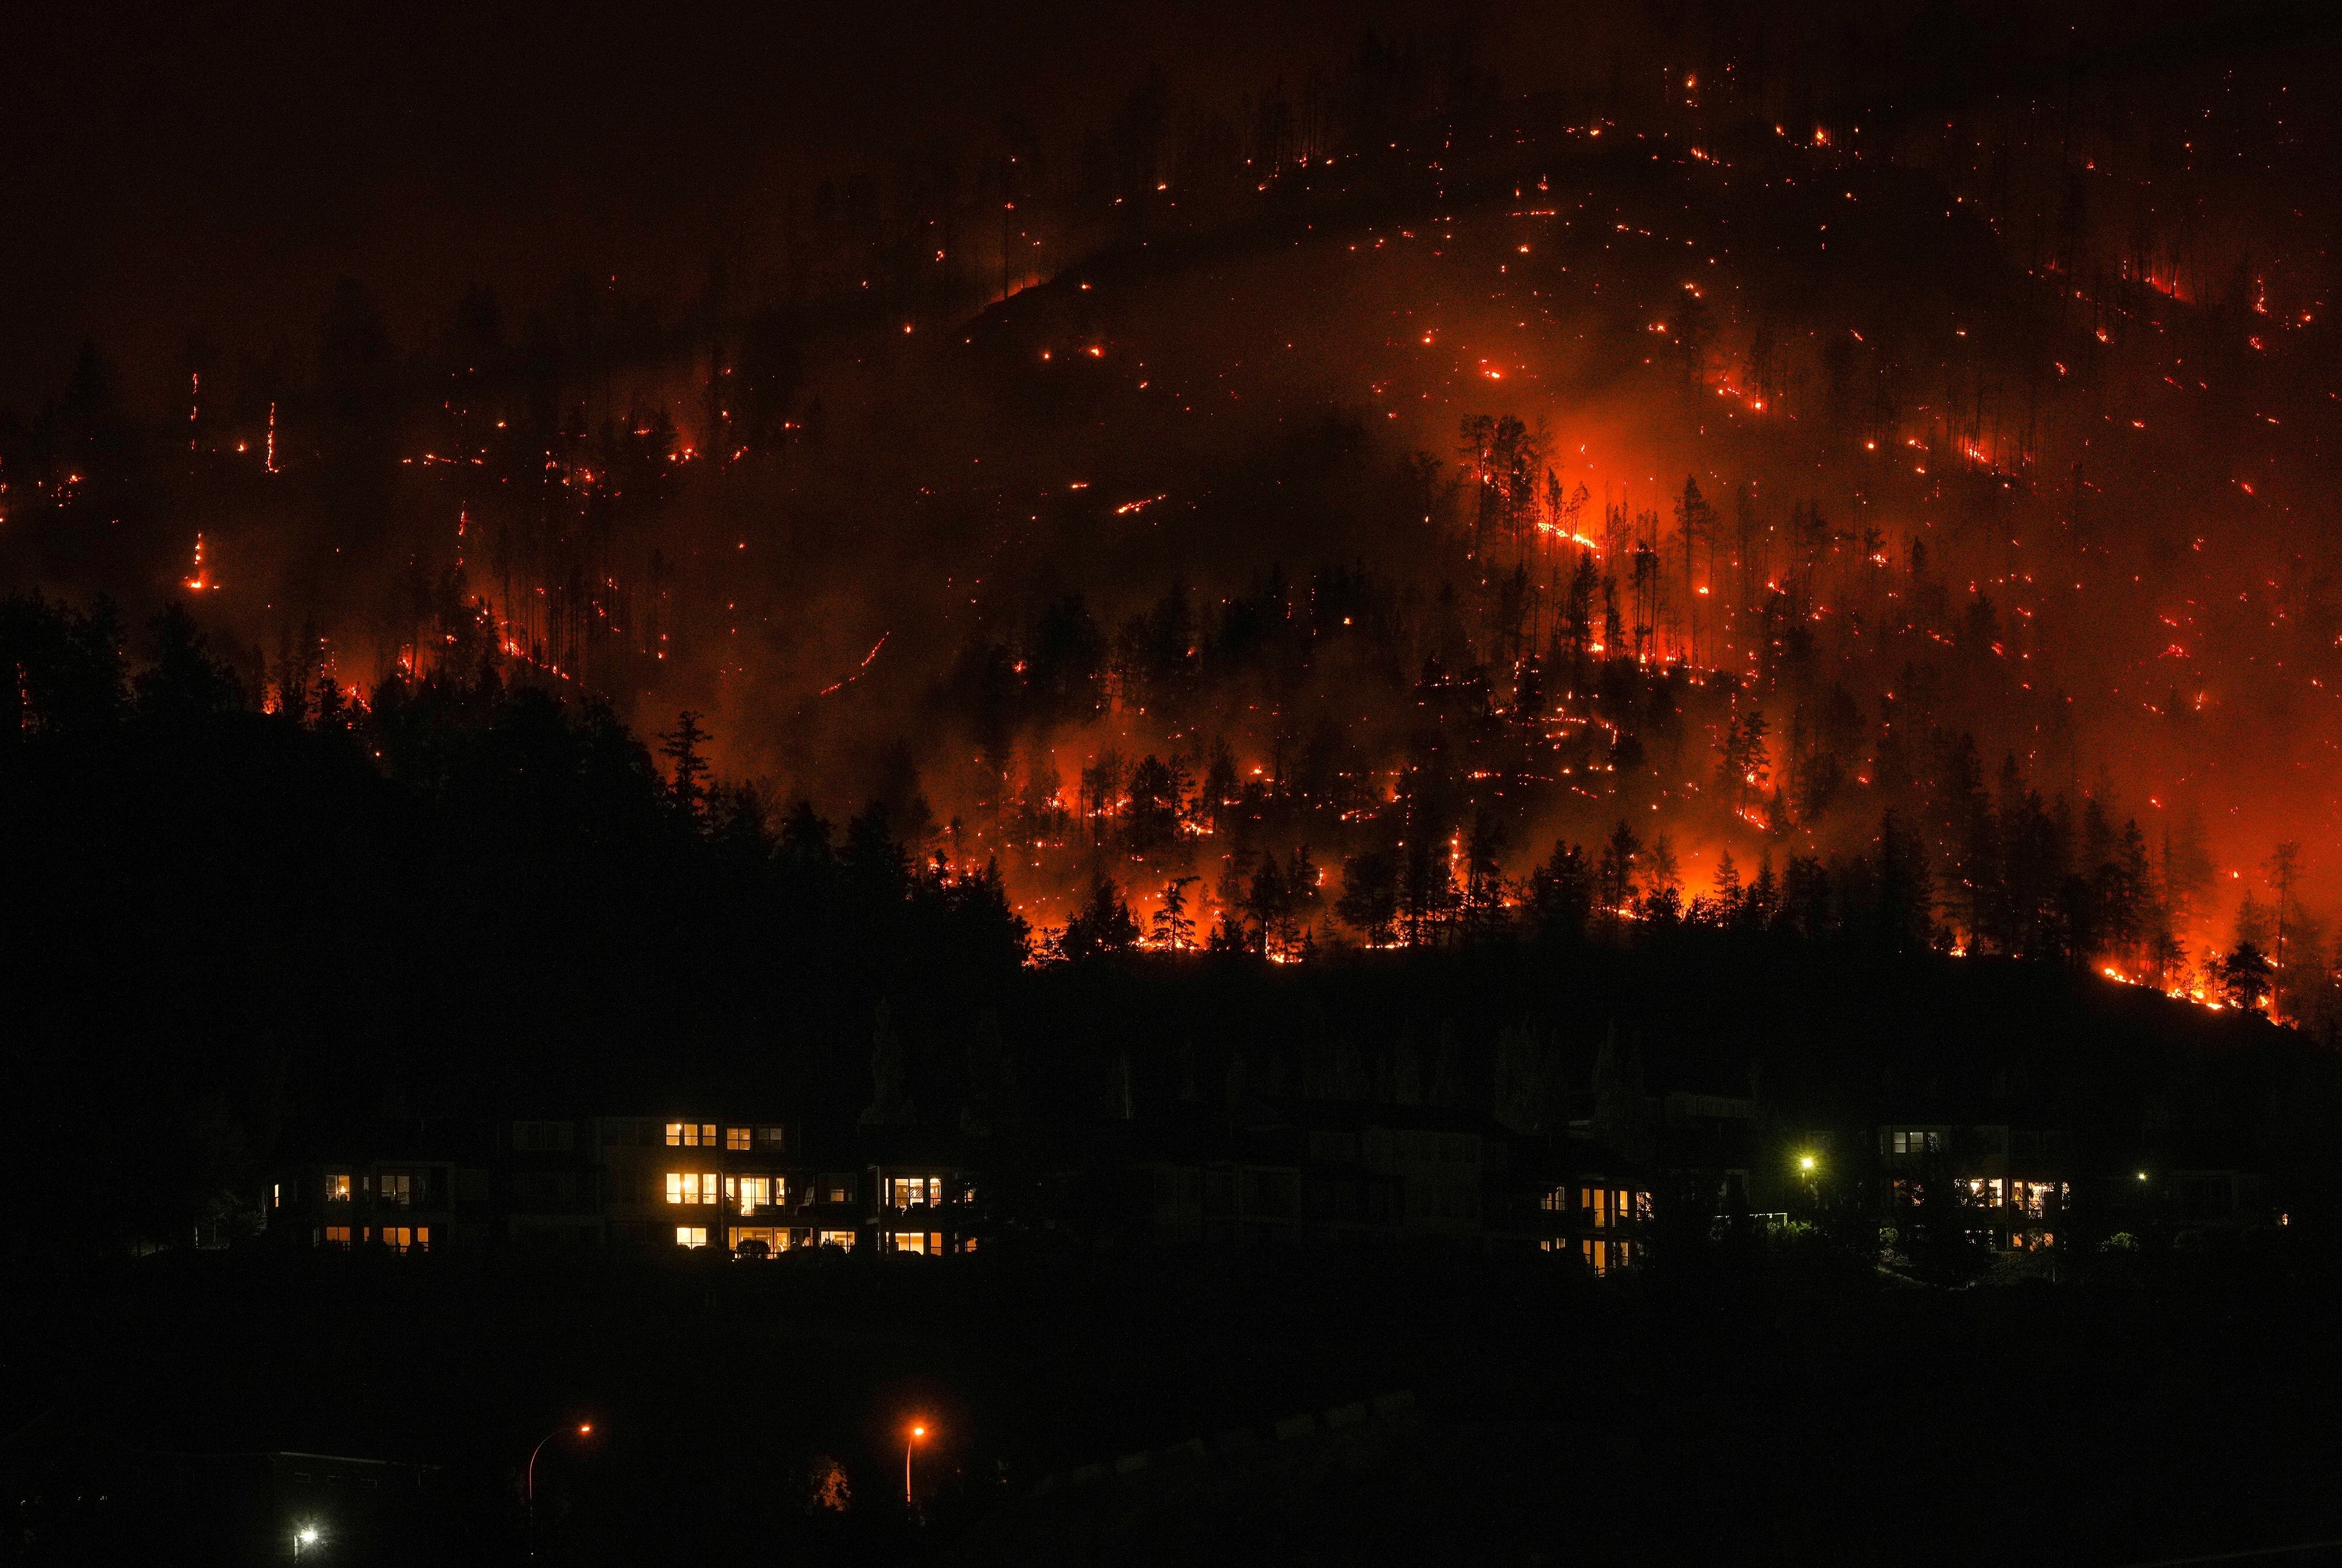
(1810, 1168)
(918, 1430)
(304, 1537)
(584, 1429)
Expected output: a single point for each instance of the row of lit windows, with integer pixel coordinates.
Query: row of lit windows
(395, 1238)
(1601, 1254)
(395, 1187)
(1608, 1206)
(752, 1194)
(773, 1240)
(702, 1135)
(906, 1191)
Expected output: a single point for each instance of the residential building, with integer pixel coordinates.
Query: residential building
(747, 1187)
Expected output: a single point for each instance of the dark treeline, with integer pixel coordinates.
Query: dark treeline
(455, 895)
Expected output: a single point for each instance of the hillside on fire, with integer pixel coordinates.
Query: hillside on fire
(1414, 781)
(1395, 463)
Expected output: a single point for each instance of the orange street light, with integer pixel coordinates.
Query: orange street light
(918, 1430)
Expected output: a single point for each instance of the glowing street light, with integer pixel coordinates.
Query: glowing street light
(305, 1536)
(918, 1430)
(583, 1429)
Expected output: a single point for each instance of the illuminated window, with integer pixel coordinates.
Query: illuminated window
(1598, 1253)
(736, 1137)
(337, 1188)
(1555, 1201)
(691, 1187)
(691, 1236)
(337, 1235)
(395, 1188)
(843, 1239)
(840, 1189)
(674, 1131)
(911, 1242)
(691, 1134)
(407, 1238)
(772, 1240)
(910, 1190)
(756, 1193)
(275, 1195)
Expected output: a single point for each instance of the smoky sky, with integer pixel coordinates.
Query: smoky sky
(198, 174)
(188, 174)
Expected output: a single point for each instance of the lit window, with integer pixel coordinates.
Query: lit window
(395, 1188)
(772, 1240)
(691, 1187)
(707, 1135)
(675, 1187)
(337, 1188)
(337, 1235)
(275, 1195)
(675, 1132)
(911, 1242)
(691, 1236)
(843, 1239)
(1555, 1201)
(736, 1137)
(731, 1189)
(756, 1193)
(407, 1238)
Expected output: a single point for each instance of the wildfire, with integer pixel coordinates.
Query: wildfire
(200, 580)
